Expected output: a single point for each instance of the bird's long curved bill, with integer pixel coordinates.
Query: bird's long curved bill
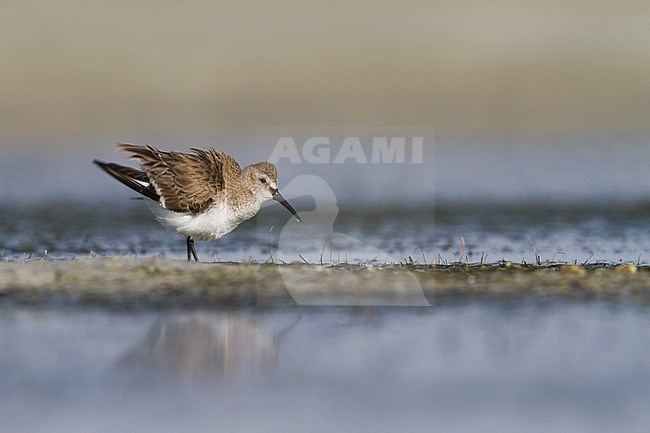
(278, 197)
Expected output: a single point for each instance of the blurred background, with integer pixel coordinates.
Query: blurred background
(528, 100)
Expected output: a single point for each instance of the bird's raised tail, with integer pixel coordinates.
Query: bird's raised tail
(135, 179)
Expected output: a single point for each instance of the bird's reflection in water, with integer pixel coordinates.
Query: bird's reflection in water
(204, 345)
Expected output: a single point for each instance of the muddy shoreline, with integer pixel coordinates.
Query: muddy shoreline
(159, 282)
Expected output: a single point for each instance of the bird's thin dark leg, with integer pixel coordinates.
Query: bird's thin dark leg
(191, 252)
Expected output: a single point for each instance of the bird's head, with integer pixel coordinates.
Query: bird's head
(264, 178)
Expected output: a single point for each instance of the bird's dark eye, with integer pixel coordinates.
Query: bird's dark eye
(263, 179)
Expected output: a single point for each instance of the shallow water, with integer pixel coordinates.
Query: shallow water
(515, 232)
(479, 367)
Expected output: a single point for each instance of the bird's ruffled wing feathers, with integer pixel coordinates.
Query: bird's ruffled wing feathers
(185, 182)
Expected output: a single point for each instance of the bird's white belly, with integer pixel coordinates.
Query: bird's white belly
(218, 221)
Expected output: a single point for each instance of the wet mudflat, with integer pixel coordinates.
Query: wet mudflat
(130, 282)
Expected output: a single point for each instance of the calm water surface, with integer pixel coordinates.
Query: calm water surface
(464, 368)
(560, 232)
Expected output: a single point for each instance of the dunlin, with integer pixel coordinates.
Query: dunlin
(204, 195)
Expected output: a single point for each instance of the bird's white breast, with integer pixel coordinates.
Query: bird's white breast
(216, 222)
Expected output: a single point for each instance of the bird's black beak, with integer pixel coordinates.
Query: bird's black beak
(278, 197)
